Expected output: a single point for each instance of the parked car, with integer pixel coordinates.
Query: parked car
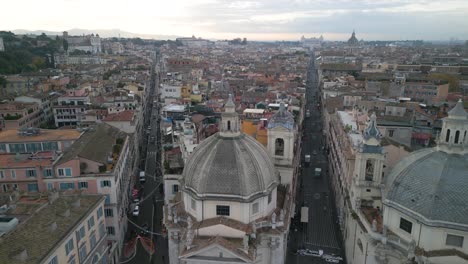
(136, 210)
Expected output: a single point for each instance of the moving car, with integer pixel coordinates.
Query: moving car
(142, 177)
(136, 211)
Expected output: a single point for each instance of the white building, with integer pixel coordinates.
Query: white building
(231, 207)
(91, 43)
(415, 214)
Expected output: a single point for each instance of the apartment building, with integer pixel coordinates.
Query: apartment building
(99, 162)
(54, 229)
(44, 100)
(71, 108)
(428, 93)
(17, 115)
(36, 140)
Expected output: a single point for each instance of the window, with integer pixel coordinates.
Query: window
(457, 136)
(32, 187)
(279, 147)
(175, 188)
(254, 208)
(447, 135)
(99, 212)
(80, 234)
(229, 125)
(67, 186)
(269, 197)
(30, 173)
(90, 222)
(105, 183)
(454, 240)
(48, 172)
(390, 132)
(64, 172)
(194, 204)
(110, 230)
(406, 225)
(109, 212)
(2, 174)
(50, 186)
(108, 200)
(69, 246)
(83, 185)
(83, 253)
(101, 230)
(222, 210)
(53, 260)
(92, 240)
(13, 174)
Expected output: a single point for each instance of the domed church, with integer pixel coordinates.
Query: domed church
(232, 206)
(419, 212)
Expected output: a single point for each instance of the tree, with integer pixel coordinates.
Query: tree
(244, 41)
(3, 82)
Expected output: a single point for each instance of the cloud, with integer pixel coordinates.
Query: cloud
(392, 19)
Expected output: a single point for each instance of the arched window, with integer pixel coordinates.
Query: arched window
(229, 125)
(464, 137)
(279, 147)
(369, 176)
(447, 135)
(359, 243)
(457, 136)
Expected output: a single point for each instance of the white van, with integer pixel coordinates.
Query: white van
(142, 177)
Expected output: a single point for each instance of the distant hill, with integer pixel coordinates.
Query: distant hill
(104, 33)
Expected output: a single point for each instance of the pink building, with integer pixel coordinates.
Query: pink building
(25, 172)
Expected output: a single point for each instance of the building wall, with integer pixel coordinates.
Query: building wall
(241, 212)
(400, 134)
(100, 249)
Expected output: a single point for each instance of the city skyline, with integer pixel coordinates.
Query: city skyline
(255, 20)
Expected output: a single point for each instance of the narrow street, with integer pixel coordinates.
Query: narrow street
(322, 231)
(152, 197)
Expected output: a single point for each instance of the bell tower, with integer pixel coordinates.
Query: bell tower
(281, 134)
(453, 137)
(368, 166)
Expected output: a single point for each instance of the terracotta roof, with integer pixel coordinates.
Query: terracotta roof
(126, 115)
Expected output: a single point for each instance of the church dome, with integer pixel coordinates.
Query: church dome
(431, 184)
(237, 167)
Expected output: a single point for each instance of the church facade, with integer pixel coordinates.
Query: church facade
(234, 205)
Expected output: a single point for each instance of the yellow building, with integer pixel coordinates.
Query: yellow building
(186, 91)
(66, 229)
(254, 125)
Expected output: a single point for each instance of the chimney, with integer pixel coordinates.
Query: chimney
(53, 226)
(21, 255)
(76, 203)
(65, 213)
(52, 196)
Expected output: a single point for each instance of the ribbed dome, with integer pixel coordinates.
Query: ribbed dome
(234, 167)
(431, 185)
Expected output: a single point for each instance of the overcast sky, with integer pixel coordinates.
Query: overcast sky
(255, 19)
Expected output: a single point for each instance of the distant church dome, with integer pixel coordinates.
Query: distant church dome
(431, 184)
(353, 40)
(230, 164)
